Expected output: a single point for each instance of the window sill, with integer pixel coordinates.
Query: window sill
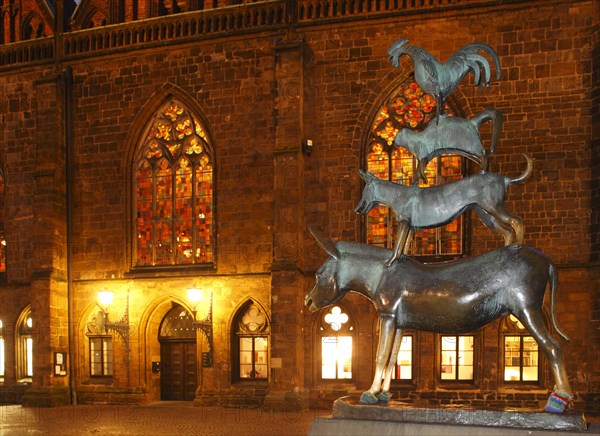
(171, 270)
(453, 385)
(102, 380)
(246, 382)
(405, 383)
(342, 384)
(520, 387)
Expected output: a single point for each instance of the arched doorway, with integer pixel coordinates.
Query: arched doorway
(178, 374)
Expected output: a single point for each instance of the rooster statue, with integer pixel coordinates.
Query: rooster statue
(440, 80)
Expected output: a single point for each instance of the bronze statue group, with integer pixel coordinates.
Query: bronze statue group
(452, 297)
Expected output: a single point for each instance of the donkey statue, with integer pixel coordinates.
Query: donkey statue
(451, 298)
(451, 135)
(424, 208)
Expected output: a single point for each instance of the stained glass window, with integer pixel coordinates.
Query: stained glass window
(174, 191)
(521, 353)
(409, 108)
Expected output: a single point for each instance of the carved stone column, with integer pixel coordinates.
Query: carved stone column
(48, 295)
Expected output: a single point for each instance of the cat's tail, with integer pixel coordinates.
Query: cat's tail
(495, 116)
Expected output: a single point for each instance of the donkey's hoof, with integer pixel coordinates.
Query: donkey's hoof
(557, 402)
(384, 396)
(368, 398)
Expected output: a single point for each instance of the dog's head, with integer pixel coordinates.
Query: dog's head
(367, 201)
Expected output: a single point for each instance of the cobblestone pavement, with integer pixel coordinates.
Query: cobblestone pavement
(163, 418)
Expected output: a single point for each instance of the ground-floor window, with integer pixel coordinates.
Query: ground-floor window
(101, 350)
(1, 351)
(251, 343)
(521, 353)
(337, 333)
(25, 347)
(101, 356)
(253, 356)
(457, 353)
(404, 362)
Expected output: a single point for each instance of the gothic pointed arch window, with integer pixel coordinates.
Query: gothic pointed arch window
(173, 190)
(336, 334)
(409, 108)
(2, 361)
(101, 353)
(250, 343)
(521, 353)
(2, 219)
(24, 349)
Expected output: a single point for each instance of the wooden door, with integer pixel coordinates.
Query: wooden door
(178, 370)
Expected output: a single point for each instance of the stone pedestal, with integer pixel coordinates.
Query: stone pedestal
(397, 418)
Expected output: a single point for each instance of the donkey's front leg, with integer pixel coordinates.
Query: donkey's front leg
(385, 394)
(387, 330)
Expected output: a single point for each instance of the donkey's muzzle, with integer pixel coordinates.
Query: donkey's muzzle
(363, 207)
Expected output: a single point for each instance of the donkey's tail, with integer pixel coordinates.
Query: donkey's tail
(553, 280)
(526, 174)
(497, 123)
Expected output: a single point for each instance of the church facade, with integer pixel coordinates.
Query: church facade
(161, 163)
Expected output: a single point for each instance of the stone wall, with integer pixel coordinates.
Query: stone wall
(261, 95)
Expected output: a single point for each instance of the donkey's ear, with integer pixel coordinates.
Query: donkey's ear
(326, 244)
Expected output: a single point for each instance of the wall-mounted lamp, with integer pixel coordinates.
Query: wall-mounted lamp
(121, 326)
(307, 146)
(205, 325)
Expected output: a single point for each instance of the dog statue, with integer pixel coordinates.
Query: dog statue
(451, 135)
(424, 208)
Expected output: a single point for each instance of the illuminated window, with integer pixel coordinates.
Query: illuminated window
(2, 235)
(410, 108)
(1, 351)
(336, 345)
(25, 347)
(101, 356)
(101, 361)
(457, 357)
(521, 353)
(174, 208)
(403, 370)
(251, 343)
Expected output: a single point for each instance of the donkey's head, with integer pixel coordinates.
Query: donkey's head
(326, 290)
(368, 199)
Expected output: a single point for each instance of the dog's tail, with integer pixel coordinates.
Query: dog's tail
(526, 174)
(495, 116)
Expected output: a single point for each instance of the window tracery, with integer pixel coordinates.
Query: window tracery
(101, 355)
(174, 191)
(337, 341)
(252, 343)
